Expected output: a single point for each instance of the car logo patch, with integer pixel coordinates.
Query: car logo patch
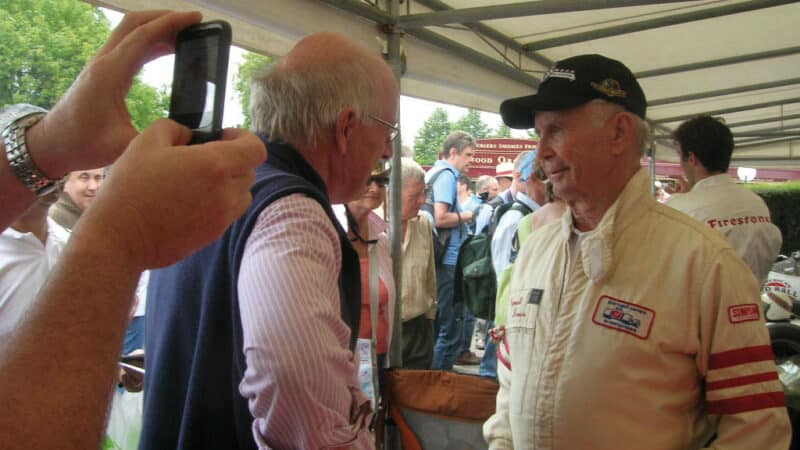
(743, 313)
(624, 316)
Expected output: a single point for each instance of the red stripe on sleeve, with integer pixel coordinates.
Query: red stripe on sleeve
(741, 381)
(740, 356)
(502, 358)
(746, 403)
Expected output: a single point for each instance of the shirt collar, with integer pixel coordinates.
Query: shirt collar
(529, 202)
(713, 181)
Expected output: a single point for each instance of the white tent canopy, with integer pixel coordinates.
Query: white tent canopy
(739, 59)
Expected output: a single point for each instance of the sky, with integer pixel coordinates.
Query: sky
(413, 111)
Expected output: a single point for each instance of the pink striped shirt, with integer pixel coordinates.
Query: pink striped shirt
(301, 379)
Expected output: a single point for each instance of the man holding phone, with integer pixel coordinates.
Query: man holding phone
(249, 341)
(163, 201)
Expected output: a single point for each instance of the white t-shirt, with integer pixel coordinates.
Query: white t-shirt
(25, 265)
(738, 213)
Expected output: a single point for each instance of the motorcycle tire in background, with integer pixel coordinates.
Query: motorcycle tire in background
(785, 339)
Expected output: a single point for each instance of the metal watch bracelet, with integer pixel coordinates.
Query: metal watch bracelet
(22, 117)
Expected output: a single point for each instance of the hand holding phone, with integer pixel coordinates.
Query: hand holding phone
(199, 78)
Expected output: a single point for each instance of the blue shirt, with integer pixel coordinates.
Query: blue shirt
(444, 191)
(470, 205)
(504, 234)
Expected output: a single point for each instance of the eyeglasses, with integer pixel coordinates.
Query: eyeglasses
(380, 181)
(395, 128)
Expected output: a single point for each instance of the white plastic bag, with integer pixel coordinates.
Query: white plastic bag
(124, 421)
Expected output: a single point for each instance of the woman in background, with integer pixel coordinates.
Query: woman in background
(366, 230)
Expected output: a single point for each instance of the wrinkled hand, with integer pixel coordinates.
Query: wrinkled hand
(163, 200)
(90, 126)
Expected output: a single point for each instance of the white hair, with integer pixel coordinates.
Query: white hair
(298, 104)
(410, 170)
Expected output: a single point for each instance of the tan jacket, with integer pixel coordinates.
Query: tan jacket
(644, 334)
(419, 270)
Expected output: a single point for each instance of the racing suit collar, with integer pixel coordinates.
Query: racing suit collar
(596, 248)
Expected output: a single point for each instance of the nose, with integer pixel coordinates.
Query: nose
(420, 199)
(93, 184)
(388, 149)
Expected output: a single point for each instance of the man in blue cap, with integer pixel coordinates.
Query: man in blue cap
(530, 192)
(630, 324)
(529, 195)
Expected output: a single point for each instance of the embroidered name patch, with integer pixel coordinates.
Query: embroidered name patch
(624, 316)
(743, 313)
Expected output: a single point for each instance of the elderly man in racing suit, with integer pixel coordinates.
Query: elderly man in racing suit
(630, 325)
(705, 145)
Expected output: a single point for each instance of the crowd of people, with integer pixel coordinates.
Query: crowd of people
(263, 262)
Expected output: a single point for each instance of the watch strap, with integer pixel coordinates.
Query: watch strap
(15, 122)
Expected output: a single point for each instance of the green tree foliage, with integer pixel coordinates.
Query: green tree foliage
(45, 45)
(472, 124)
(146, 104)
(503, 132)
(430, 139)
(251, 63)
(532, 134)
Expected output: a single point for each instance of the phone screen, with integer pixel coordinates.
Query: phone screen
(198, 85)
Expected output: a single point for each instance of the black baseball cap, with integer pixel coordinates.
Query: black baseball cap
(574, 81)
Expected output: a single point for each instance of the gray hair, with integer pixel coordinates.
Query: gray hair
(483, 183)
(602, 110)
(298, 104)
(410, 170)
(458, 139)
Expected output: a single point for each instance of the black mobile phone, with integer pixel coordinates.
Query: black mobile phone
(198, 81)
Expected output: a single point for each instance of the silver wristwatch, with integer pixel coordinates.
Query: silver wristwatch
(14, 123)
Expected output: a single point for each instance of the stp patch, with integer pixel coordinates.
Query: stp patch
(744, 313)
(624, 316)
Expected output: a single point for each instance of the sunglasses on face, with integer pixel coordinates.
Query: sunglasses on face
(380, 181)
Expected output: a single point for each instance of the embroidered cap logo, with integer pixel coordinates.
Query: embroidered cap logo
(555, 72)
(610, 88)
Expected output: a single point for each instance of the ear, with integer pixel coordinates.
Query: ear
(692, 159)
(623, 132)
(346, 123)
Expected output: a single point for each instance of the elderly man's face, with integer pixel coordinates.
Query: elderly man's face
(413, 197)
(366, 145)
(574, 150)
(494, 189)
(504, 183)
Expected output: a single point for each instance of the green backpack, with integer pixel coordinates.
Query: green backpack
(475, 280)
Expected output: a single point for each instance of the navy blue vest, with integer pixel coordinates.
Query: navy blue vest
(194, 332)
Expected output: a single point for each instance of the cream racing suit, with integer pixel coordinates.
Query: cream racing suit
(644, 334)
(738, 213)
